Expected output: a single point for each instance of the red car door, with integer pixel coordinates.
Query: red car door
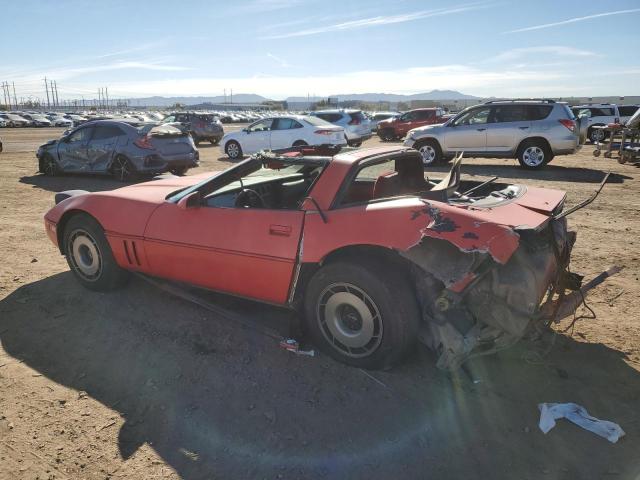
(249, 252)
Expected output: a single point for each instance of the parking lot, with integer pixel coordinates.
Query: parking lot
(140, 384)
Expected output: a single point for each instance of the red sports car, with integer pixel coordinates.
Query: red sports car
(373, 254)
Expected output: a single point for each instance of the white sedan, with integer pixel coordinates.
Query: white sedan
(281, 132)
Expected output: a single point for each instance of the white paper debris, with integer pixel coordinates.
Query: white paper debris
(550, 412)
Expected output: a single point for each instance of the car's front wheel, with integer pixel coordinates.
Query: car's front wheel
(48, 166)
(597, 135)
(534, 154)
(233, 150)
(387, 135)
(367, 317)
(89, 255)
(430, 152)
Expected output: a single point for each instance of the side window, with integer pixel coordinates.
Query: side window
(509, 113)
(538, 112)
(475, 117)
(426, 115)
(627, 110)
(79, 135)
(372, 172)
(283, 124)
(105, 132)
(602, 112)
(169, 119)
(182, 118)
(261, 126)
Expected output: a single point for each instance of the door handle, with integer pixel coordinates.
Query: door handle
(481, 129)
(523, 128)
(280, 230)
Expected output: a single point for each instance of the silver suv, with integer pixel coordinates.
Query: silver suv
(533, 131)
(357, 127)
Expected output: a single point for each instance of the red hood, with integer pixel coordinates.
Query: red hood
(155, 191)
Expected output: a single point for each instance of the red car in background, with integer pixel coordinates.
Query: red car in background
(372, 254)
(397, 127)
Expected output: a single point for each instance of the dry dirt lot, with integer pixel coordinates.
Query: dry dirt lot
(138, 384)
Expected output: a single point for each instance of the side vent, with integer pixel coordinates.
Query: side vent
(131, 252)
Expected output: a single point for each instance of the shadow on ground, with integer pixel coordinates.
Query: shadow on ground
(218, 400)
(91, 183)
(552, 173)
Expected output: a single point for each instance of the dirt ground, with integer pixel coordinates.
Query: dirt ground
(138, 384)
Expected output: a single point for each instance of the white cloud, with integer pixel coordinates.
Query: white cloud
(551, 50)
(412, 80)
(280, 61)
(379, 20)
(574, 20)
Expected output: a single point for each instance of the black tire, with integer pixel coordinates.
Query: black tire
(0, 147)
(355, 144)
(380, 289)
(214, 142)
(48, 166)
(430, 151)
(233, 150)
(387, 135)
(180, 171)
(300, 143)
(122, 169)
(597, 135)
(534, 154)
(84, 244)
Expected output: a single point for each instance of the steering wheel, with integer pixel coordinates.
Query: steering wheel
(248, 198)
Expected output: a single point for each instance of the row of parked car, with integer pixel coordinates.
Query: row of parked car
(532, 131)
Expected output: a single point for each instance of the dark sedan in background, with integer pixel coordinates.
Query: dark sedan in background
(121, 149)
(201, 126)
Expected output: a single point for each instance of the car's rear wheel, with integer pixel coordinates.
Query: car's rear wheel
(430, 152)
(367, 317)
(196, 139)
(214, 142)
(48, 166)
(300, 143)
(122, 169)
(89, 255)
(233, 150)
(355, 144)
(387, 135)
(180, 171)
(534, 154)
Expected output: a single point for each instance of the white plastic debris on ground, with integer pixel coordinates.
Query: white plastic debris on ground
(550, 412)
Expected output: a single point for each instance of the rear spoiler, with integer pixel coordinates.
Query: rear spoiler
(586, 202)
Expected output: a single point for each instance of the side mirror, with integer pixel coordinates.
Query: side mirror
(193, 200)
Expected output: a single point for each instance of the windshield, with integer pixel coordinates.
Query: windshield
(317, 122)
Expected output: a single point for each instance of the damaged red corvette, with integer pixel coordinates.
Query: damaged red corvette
(374, 254)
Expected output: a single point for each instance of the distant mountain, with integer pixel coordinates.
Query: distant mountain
(253, 98)
(168, 101)
(392, 97)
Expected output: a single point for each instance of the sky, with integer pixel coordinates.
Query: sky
(282, 48)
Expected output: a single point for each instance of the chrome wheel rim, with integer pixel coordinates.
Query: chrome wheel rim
(428, 154)
(233, 150)
(85, 255)
(597, 135)
(121, 168)
(349, 320)
(533, 156)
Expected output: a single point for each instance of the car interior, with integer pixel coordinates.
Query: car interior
(399, 176)
(273, 186)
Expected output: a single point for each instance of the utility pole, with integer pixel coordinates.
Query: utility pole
(56, 87)
(46, 87)
(4, 93)
(225, 95)
(15, 99)
(106, 92)
(232, 96)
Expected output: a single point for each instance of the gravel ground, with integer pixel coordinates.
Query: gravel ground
(139, 384)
